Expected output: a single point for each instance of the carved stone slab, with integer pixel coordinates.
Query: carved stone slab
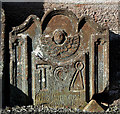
(60, 60)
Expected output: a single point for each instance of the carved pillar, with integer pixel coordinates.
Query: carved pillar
(21, 61)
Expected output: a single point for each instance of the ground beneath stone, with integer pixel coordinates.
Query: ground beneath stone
(31, 109)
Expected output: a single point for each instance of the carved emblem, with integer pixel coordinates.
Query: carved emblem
(60, 73)
(60, 46)
(59, 36)
(77, 81)
(60, 39)
(66, 57)
(43, 75)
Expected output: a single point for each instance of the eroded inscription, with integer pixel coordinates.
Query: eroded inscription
(61, 99)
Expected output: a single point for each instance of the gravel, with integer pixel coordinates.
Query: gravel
(114, 108)
(45, 109)
(37, 109)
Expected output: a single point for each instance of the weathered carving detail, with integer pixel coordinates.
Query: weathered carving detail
(59, 36)
(59, 41)
(60, 74)
(77, 83)
(66, 59)
(43, 76)
(60, 51)
(99, 63)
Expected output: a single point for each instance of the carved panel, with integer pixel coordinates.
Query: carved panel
(19, 63)
(100, 63)
(67, 58)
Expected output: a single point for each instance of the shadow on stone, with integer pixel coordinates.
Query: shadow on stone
(15, 14)
(112, 92)
(18, 98)
(102, 98)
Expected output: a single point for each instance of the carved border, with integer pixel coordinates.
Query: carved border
(104, 39)
(59, 11)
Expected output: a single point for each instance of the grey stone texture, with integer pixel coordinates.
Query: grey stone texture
(103, 14)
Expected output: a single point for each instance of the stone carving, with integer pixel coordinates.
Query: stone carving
(43, 76)
(60, 74)
(66, 58)
(38, 52)
(60, 46)
(59, 41)
(77, 83)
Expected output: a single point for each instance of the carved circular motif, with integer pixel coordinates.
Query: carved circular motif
(79, 66)
(60, 47)
(60, 39)
(59, 36)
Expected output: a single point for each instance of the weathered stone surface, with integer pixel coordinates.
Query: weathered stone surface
(93, 106)
(105, 13)
(60, 61)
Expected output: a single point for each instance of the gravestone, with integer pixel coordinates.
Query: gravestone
(60, 61)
